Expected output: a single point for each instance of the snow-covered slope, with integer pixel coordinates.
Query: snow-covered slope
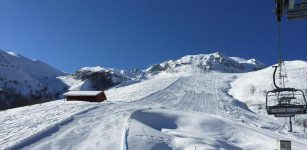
(22, 78)
(193, 110)
(169, 129)
(18, 123)
(142, 89)
(251, 87)
(37, 119)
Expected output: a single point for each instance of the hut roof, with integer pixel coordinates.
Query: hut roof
(82, 93)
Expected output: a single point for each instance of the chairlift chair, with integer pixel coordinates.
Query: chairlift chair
(285, 102)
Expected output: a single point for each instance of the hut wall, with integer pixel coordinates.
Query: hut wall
(99, 98)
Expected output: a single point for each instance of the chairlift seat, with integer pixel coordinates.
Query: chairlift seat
(286, 109)
(284, 115)
(287, 98)
(278, 90)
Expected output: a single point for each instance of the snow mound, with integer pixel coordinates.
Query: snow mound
(167, 129)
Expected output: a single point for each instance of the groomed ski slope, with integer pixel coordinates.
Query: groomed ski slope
(193, 111)
(20, 124)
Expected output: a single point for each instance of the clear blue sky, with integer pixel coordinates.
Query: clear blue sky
(69, 34)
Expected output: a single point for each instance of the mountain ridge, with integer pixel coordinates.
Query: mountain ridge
(209, 62)
(32, 81)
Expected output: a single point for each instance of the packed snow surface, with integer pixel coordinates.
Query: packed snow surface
(19, 123)
(170, 111)
(140, 90)
(169, 129)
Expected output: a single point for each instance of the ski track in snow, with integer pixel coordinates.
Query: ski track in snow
(109, 125)
(16, 124)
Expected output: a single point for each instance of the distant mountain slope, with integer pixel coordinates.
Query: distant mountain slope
(99, 78)
(22, 78)
(207, 62)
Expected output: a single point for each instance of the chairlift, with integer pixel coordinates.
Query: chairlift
(285, 102)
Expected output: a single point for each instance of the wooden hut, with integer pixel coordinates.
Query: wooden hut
(90, 96)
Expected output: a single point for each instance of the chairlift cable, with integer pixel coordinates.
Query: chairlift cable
(281, 64)
(279, 44)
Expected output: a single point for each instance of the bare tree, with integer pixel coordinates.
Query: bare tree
(252, 89)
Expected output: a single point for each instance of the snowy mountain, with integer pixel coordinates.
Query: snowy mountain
(196, 102)
(23, 80)
(26, 81)
(99, 78)
(206, 63)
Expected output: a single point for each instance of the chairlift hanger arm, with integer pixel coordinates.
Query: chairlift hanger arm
(274, 80)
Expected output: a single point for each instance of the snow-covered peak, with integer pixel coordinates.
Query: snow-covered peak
(11, 61)
(118, 72)
(94, 69)
(238, 59)
(129, 74)
(207, 62)
(13, 54)
(249, 61)
(189, 63)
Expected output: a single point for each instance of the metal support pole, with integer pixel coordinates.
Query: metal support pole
(290, 124)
